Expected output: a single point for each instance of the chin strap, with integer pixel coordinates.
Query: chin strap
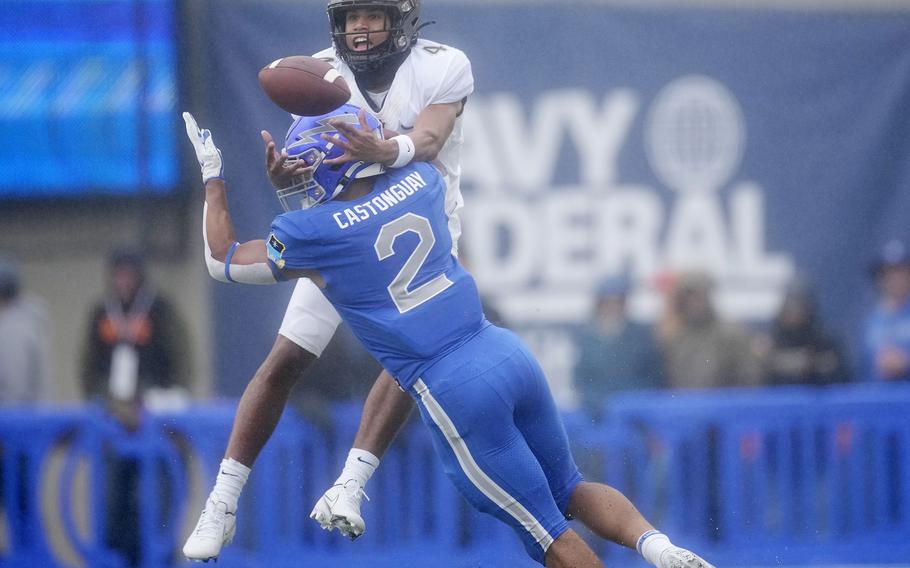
(420, 27)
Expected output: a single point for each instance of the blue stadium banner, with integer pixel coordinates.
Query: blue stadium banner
(755, 144)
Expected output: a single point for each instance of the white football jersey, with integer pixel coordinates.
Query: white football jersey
(433, 73)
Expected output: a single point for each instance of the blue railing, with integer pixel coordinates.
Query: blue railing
(746, 477)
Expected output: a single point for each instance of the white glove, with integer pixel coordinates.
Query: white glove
(208, 155)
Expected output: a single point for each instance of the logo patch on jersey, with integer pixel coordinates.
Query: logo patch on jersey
(434, 49)
(275, 249)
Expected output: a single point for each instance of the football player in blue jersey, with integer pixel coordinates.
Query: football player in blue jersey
(377, 243)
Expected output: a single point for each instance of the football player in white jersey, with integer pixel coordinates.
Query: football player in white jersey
(418, 89)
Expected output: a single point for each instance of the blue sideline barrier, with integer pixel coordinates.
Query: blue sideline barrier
(746, 477)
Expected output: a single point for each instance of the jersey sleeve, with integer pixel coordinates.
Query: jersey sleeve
(457, 80)
(292, 244)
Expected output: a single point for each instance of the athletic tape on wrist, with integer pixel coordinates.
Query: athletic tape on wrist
(406, 150)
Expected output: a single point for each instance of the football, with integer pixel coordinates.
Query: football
(304, 86)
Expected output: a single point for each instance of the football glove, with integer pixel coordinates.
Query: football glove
(207, 154)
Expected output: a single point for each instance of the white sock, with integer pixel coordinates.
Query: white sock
(232, 476)
(359, 466)
(652, 544)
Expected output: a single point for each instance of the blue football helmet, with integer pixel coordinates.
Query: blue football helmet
(322, 182)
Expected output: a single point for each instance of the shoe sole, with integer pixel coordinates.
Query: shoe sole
(345, 526)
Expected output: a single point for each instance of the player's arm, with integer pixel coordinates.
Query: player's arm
(432, 128)
(227, 259)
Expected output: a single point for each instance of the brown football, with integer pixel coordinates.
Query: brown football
(303, 85)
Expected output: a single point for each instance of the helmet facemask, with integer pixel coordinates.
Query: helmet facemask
(304, 191)
(402, 24)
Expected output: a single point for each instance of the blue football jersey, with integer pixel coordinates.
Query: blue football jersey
(386, 259)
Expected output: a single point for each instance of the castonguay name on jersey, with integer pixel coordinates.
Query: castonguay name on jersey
(395, 194)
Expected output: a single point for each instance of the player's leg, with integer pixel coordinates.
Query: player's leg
(539, 422)
(608, 513)
(489, 462)
(603, 509)
(309, 323)
(386, 410)
(570, 551)
(263, 401)
(376, 431)
(468, 403)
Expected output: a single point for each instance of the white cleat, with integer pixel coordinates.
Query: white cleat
(216, 527)
(676, 557)
(339, 508)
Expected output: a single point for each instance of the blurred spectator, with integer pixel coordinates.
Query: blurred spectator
(798, 350)
(700, 351)
(614, 353)
(886, 355)
(135, 344)
(25, 348)
(25, 341)
(134, 354)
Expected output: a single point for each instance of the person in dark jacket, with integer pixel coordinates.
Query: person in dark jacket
(799, 350)
(134, 342)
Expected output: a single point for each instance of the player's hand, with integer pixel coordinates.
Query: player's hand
(362, 145)
(207, 154)
(281, 172)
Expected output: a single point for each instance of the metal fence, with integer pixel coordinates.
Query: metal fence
(750, 477)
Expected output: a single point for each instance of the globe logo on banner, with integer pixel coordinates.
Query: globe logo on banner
(694, 135)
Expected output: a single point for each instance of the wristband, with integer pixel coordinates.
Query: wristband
(227, 262)
(406, 150)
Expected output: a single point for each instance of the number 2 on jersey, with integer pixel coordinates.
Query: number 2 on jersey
(404, 298)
